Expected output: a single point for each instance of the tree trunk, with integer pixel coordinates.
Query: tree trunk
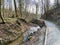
(0, 13)
(37, 10)
(10, 7)
(57, 3)
(20, 7)
(47, 8)
(15, 8)
(2, 1)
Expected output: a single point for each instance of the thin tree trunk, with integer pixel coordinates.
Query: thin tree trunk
(47, 8)
(37, 10)
(0, 13)
(57, 3)
(3, 8)
(25, 12)
(10, 7)
(15, 8)
(20, 7)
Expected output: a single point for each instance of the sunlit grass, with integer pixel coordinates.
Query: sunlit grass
(10, 20)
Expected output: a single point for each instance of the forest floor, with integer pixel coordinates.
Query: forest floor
(11, 31)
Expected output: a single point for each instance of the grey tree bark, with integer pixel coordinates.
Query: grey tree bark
(20, 7)
(10, 8)
(36, 10)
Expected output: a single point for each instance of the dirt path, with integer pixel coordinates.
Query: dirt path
(53, 35)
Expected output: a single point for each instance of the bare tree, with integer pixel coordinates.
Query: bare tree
(10, 7)
(2, 3)
(36, 9)
(27, 2)
(47, 5)
(15, 8)
(0, 13)
(20, 7)
(3, 8)
(47, 8)
(57, 3)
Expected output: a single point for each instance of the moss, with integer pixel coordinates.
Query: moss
(29, 37)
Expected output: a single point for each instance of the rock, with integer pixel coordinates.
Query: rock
(39, 22)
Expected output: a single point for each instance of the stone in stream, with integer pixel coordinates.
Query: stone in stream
(30, 31)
